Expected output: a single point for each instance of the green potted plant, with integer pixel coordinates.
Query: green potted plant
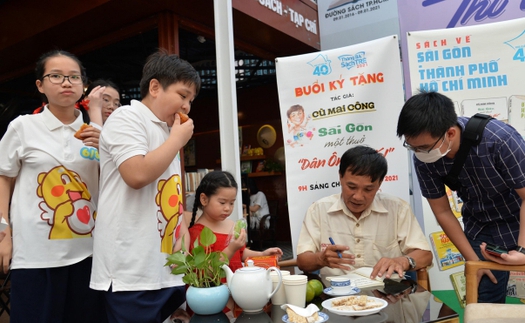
(202, 271)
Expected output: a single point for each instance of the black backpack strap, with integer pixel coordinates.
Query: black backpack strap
(471, 137)
(474, 129)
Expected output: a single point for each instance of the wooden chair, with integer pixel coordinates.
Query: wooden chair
(483, 312)
(422, 278)
(422, 274)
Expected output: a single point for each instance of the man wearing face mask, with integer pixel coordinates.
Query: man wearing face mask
(492, 183)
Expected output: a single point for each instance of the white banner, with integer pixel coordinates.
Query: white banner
(480, 68)
(348, 22)
(438, 14)
(331, 101)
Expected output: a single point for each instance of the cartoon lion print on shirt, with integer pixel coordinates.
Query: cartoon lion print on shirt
(66, 205)
(169, 214)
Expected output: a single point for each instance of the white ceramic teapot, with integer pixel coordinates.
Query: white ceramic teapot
(251, 286)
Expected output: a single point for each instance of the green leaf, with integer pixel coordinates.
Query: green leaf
(176, 258)
(201, 258)
(207, 237)
(179, 270)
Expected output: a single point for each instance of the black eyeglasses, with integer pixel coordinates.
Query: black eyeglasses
(416, 149)
(59, 78)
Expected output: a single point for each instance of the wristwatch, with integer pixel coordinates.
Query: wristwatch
(520, 249)
(412, 262)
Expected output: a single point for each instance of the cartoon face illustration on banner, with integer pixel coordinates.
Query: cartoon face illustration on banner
(298, 131)
(66, 205)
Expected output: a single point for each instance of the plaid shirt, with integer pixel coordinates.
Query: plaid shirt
(492, 172)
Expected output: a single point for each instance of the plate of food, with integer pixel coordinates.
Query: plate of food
(322, 317)
(354, 305)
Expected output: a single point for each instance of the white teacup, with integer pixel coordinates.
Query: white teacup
(341, 285)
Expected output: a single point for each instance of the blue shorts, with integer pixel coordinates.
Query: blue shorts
(149, 306)
(488, 292)
(53, 295)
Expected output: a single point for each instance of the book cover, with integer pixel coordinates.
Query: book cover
(246, 167)
(459, 283)
(516, 285)
(447, 255)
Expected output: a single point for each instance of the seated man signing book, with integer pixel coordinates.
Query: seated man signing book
(368, 228)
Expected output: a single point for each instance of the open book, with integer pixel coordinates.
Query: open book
(360, 277)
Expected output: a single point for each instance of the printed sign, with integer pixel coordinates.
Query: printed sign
(331, 101)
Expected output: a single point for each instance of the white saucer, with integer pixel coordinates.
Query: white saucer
(323, 317)
(330, 292)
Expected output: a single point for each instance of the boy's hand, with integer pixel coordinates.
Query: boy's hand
(182, 132)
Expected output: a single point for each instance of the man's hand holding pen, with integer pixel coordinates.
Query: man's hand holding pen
(330, 257)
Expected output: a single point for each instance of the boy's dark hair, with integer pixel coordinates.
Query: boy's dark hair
(364, 161)
(168, 69)
(40, 67)
(209, 185)
(430, 112)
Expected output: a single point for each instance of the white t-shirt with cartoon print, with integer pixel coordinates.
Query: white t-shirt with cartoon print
(54, 200)
(136, 228)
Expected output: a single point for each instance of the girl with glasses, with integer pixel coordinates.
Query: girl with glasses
(50, 180)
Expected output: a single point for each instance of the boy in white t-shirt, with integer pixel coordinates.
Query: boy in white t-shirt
(139, 217)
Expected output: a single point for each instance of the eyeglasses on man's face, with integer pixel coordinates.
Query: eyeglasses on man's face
(59, 78)
(424, 149)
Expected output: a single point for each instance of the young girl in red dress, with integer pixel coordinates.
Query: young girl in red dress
(216, 196)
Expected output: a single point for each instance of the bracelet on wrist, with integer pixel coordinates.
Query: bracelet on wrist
(520, 249)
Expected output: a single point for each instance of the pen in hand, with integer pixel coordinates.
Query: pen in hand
(333, 243)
